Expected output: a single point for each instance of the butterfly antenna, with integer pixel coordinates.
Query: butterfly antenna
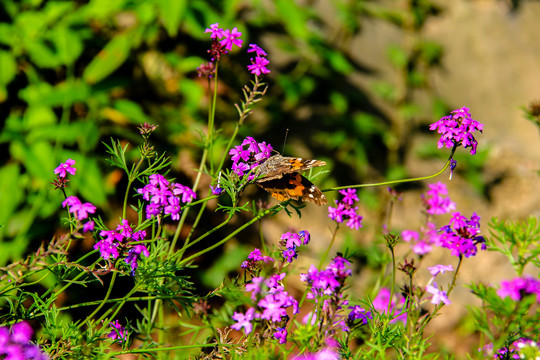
(285, 140)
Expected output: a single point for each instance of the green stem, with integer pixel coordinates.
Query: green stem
(391, 182)
(131, 179)
(228, 237)
(111, 284)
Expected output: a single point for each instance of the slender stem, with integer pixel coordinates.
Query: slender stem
(131, 179)
(228, 237)
(391, 182)
(323, 258)
(111, 284)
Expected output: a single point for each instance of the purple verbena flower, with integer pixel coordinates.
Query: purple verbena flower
(216, 190)
(15, 343)
(165, 197)
(457, 129)
(118, 332)
(244, 320)
(258, 66)
(246, 160)
(231, 38)
(439, 269)
(344, 210)
(289, 243)
(461, 235)
(134, 254)
(255, 258)
(256, 49)
(435, 201)
(422, 242)
(215, 30)
(358, 313)
(281, 335)
(438, 295)
(65, 168)
(380, 303)
(519, 287)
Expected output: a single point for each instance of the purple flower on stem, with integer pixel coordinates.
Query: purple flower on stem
(216, 190)
(258, 66)
(215, 30)
(254, 260)
(438, 295)
(289, 243)
(119, 242)
(246, 160)
(281, 335)
(165, 197)
(15, 343)
(244, 320)
(457, 129)
(231, 38)
(359, 313)
(133, 256)
(256, 49)
(344, 210)
(519, 287)
(435, 201)
(65, 168)
(118, 332)
(461, 235)
(439, 269)
(381, 301)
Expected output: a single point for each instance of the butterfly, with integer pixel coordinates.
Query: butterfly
(280, 176)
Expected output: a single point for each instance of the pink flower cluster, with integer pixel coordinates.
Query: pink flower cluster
(165, 197)
(119, 241)
(345, 211)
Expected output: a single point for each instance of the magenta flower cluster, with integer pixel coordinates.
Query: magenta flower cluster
(510, 352)
(118, 332)
(461, 235)
(15, 343)
(328, 282)
(519, 287)
(326, 288)
(271, 303)
(436, 201)
(165, 197)
(345, 211)
(382, 300)
(80, 211)
(290, 242)
(247, 159)
(223, 42)
(120, 242)
(457, 129)
(227, 38)
(259, 63)
(255, 260)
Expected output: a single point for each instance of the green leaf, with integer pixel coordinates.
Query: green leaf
(133, 112)
(37, 116)
(110, 58)
(67, 43)
(43, 94)
(11, 189)
(296, 18)
(90, 184)
(8, 67)
(171, 14)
